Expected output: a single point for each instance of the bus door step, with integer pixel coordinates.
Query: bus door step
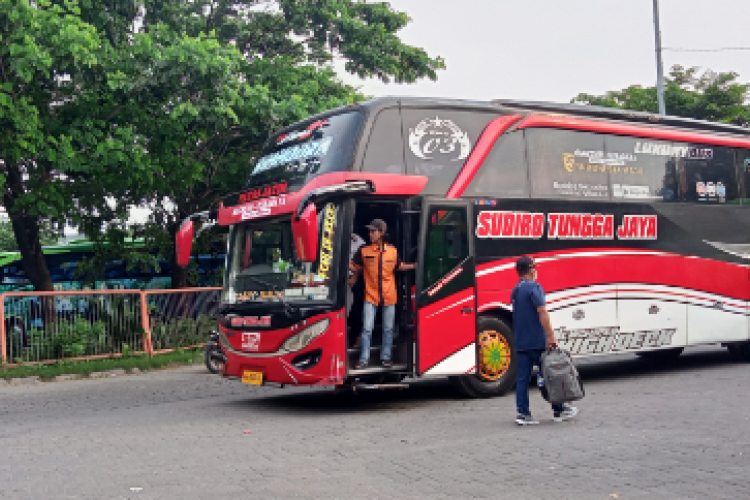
(372, 387)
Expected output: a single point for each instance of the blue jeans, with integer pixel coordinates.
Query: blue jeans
(526, 362)
(368, 320)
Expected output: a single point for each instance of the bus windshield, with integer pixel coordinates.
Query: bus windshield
(318, 147)
(262, 264)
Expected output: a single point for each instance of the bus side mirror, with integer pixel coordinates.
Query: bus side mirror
(305, 233)
(184, 243)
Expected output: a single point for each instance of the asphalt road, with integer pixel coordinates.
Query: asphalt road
(644, 431)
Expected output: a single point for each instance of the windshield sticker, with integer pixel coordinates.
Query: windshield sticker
(297, 152)
(264, 192)
(326, 244)
(260, 208)
(435, 137)
(302, 134)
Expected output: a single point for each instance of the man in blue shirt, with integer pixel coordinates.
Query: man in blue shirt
(533, 333)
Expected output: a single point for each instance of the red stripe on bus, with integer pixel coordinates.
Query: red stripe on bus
(542, 121)
(489, 136)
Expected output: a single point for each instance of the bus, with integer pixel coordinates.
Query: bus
(63, 260)
(639, 225)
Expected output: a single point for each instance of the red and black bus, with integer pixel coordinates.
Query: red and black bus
(639, 224)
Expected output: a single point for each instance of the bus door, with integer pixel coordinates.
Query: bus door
(446, 297)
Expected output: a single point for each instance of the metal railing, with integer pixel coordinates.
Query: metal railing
(43, 326)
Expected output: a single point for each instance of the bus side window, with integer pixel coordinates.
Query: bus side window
(743, 170)
(505, 172)
(708, 175)
(447, 242)
(385, 149)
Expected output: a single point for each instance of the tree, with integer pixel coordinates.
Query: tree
(110, 103)
(711, 96)
(8, 238)
(285, 49)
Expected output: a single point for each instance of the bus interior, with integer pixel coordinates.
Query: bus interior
(398, 223)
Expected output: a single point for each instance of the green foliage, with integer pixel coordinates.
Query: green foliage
(8, 241)
(97, 117)
(181, 332)
(78, 338)
(716, 97)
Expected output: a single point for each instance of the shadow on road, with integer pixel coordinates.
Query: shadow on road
(427, 392)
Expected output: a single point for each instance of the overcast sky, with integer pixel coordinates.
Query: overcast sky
(551, 50)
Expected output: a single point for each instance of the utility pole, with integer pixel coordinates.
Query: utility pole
(659, 69)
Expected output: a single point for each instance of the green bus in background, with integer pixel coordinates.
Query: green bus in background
(63, 260)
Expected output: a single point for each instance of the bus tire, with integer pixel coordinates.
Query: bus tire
(661, 354)
(497, 368)
(739, 351)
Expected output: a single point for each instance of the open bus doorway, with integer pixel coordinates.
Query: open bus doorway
(391, 214)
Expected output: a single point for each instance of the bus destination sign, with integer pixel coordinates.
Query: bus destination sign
(256, 194)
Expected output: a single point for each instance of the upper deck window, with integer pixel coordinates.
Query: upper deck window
(504, 172)
(584, 165)
(315, 148)
(385, 148)
(438, 142)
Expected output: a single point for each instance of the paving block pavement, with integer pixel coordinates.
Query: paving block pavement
(645, 431)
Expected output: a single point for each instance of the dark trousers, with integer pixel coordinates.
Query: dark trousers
(526, 362)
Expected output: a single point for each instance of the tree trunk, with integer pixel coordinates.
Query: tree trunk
(26, 231)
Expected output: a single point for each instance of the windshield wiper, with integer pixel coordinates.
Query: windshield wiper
(289, 310)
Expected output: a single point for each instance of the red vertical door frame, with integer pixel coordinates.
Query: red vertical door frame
(446, 307)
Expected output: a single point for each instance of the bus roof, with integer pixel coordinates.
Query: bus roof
(74, 246)
(509, 105)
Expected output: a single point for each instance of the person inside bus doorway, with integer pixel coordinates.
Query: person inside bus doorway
(378, 261)
(533, 333)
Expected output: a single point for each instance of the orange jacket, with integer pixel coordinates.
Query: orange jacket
(379, 268)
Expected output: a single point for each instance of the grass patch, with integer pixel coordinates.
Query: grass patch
(142, 362)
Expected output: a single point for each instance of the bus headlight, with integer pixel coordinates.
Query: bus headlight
(304, 337)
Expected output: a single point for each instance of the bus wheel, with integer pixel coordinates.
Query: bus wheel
(661, 354)
(496, 371)
(739, 351)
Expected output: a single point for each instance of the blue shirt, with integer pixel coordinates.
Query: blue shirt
(527, 328)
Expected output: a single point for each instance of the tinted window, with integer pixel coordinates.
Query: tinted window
(640, 176)
(438, 141)
(743, 166)
(385, 149)
(447, 243)
(504, 172)
(707, 175)
(568, 164)
(315, 148)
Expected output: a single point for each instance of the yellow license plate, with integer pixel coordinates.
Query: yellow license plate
(254, 378)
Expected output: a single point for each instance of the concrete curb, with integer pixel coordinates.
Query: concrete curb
(33, 380)
(24, 380)
(109, 373)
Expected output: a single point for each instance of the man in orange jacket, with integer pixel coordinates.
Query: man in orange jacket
(378, 261)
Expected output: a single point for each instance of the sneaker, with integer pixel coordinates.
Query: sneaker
(567, 413)
(387, 363)
(526, 420)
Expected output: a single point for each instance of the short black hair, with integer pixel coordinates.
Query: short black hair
(524, 265)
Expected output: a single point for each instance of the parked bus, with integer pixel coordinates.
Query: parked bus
(639, 225)
(62, 261)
